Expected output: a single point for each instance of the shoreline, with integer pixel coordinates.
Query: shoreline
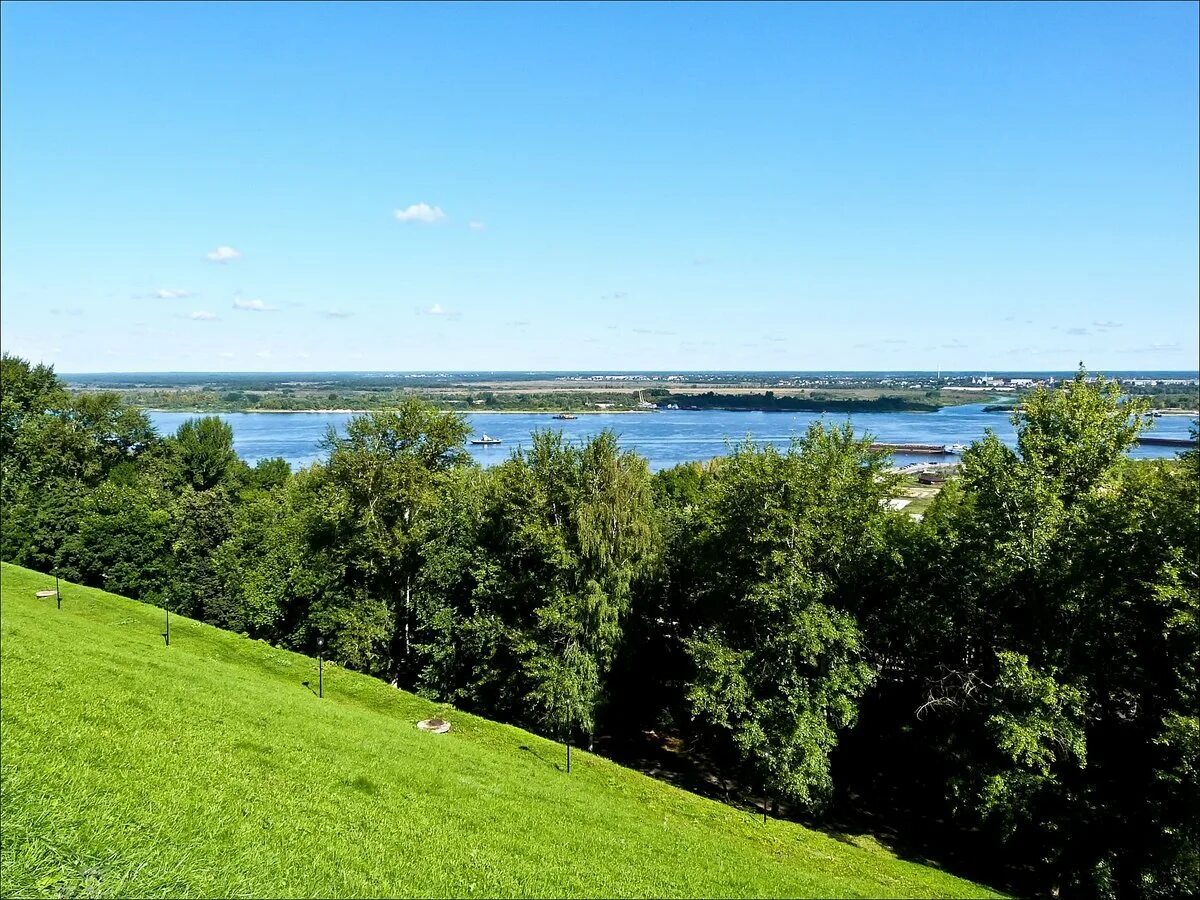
(548, 412)
(473, 412)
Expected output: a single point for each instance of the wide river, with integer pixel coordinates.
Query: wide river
(664, 438)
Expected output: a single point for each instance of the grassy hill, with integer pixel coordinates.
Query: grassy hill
(209, 768)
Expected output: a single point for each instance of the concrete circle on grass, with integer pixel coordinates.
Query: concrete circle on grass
(436, 726)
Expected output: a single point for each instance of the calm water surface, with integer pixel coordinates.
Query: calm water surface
(664, 438)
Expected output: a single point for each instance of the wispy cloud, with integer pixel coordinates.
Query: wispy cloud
(615, 295)
(223, 255)
(519, 323)
(253, 305)
(1077, 331)
(954, 345)
(70, 311)
(1106, 325)
(1035, 351)
(263, 354)
(176, 293)
(476, 225)
(1174, 347)
(438, 311)
(202, 316)
(421, 212)
(225, 354)
(884, 346)
(337, 314)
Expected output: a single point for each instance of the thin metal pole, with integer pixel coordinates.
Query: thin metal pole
(57, 591)
(568, 753)
(167, 633)
(320, 675)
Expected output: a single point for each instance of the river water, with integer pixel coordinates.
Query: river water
(664, 438)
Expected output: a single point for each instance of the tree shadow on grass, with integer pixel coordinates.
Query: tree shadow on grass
(854, 818)
(527, 749)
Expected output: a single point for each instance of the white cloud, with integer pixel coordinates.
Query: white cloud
(477, 226)
(253, 305)
(439, 311)
(263, 354)
(203, 317)
(224, 254)
(337, 314)
(174, 293)
(225, 355)
(1106, 324)
(1077, 331)
(421, 212)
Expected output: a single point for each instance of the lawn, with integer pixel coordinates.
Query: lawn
(208, 767)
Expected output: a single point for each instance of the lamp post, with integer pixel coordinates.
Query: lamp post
(57, 590)
(320, 667)
(569, 719)
(167, 608)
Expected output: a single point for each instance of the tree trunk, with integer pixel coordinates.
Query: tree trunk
(407, 611)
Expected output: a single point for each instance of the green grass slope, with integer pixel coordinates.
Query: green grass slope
(207, 768)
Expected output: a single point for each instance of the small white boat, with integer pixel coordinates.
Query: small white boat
(485, 440)
(954, 448)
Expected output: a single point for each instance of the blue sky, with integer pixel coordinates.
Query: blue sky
(599, 186)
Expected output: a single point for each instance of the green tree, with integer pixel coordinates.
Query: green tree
(204, 450)
(1042, 640)
(276, 566)
(525, 588)
(772, 553)
(383, 476)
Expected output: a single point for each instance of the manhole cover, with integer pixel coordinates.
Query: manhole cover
(437, 726)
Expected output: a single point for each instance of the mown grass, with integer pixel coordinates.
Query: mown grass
(207, 768)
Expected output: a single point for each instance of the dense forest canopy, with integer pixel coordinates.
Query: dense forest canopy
(1014, 676)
